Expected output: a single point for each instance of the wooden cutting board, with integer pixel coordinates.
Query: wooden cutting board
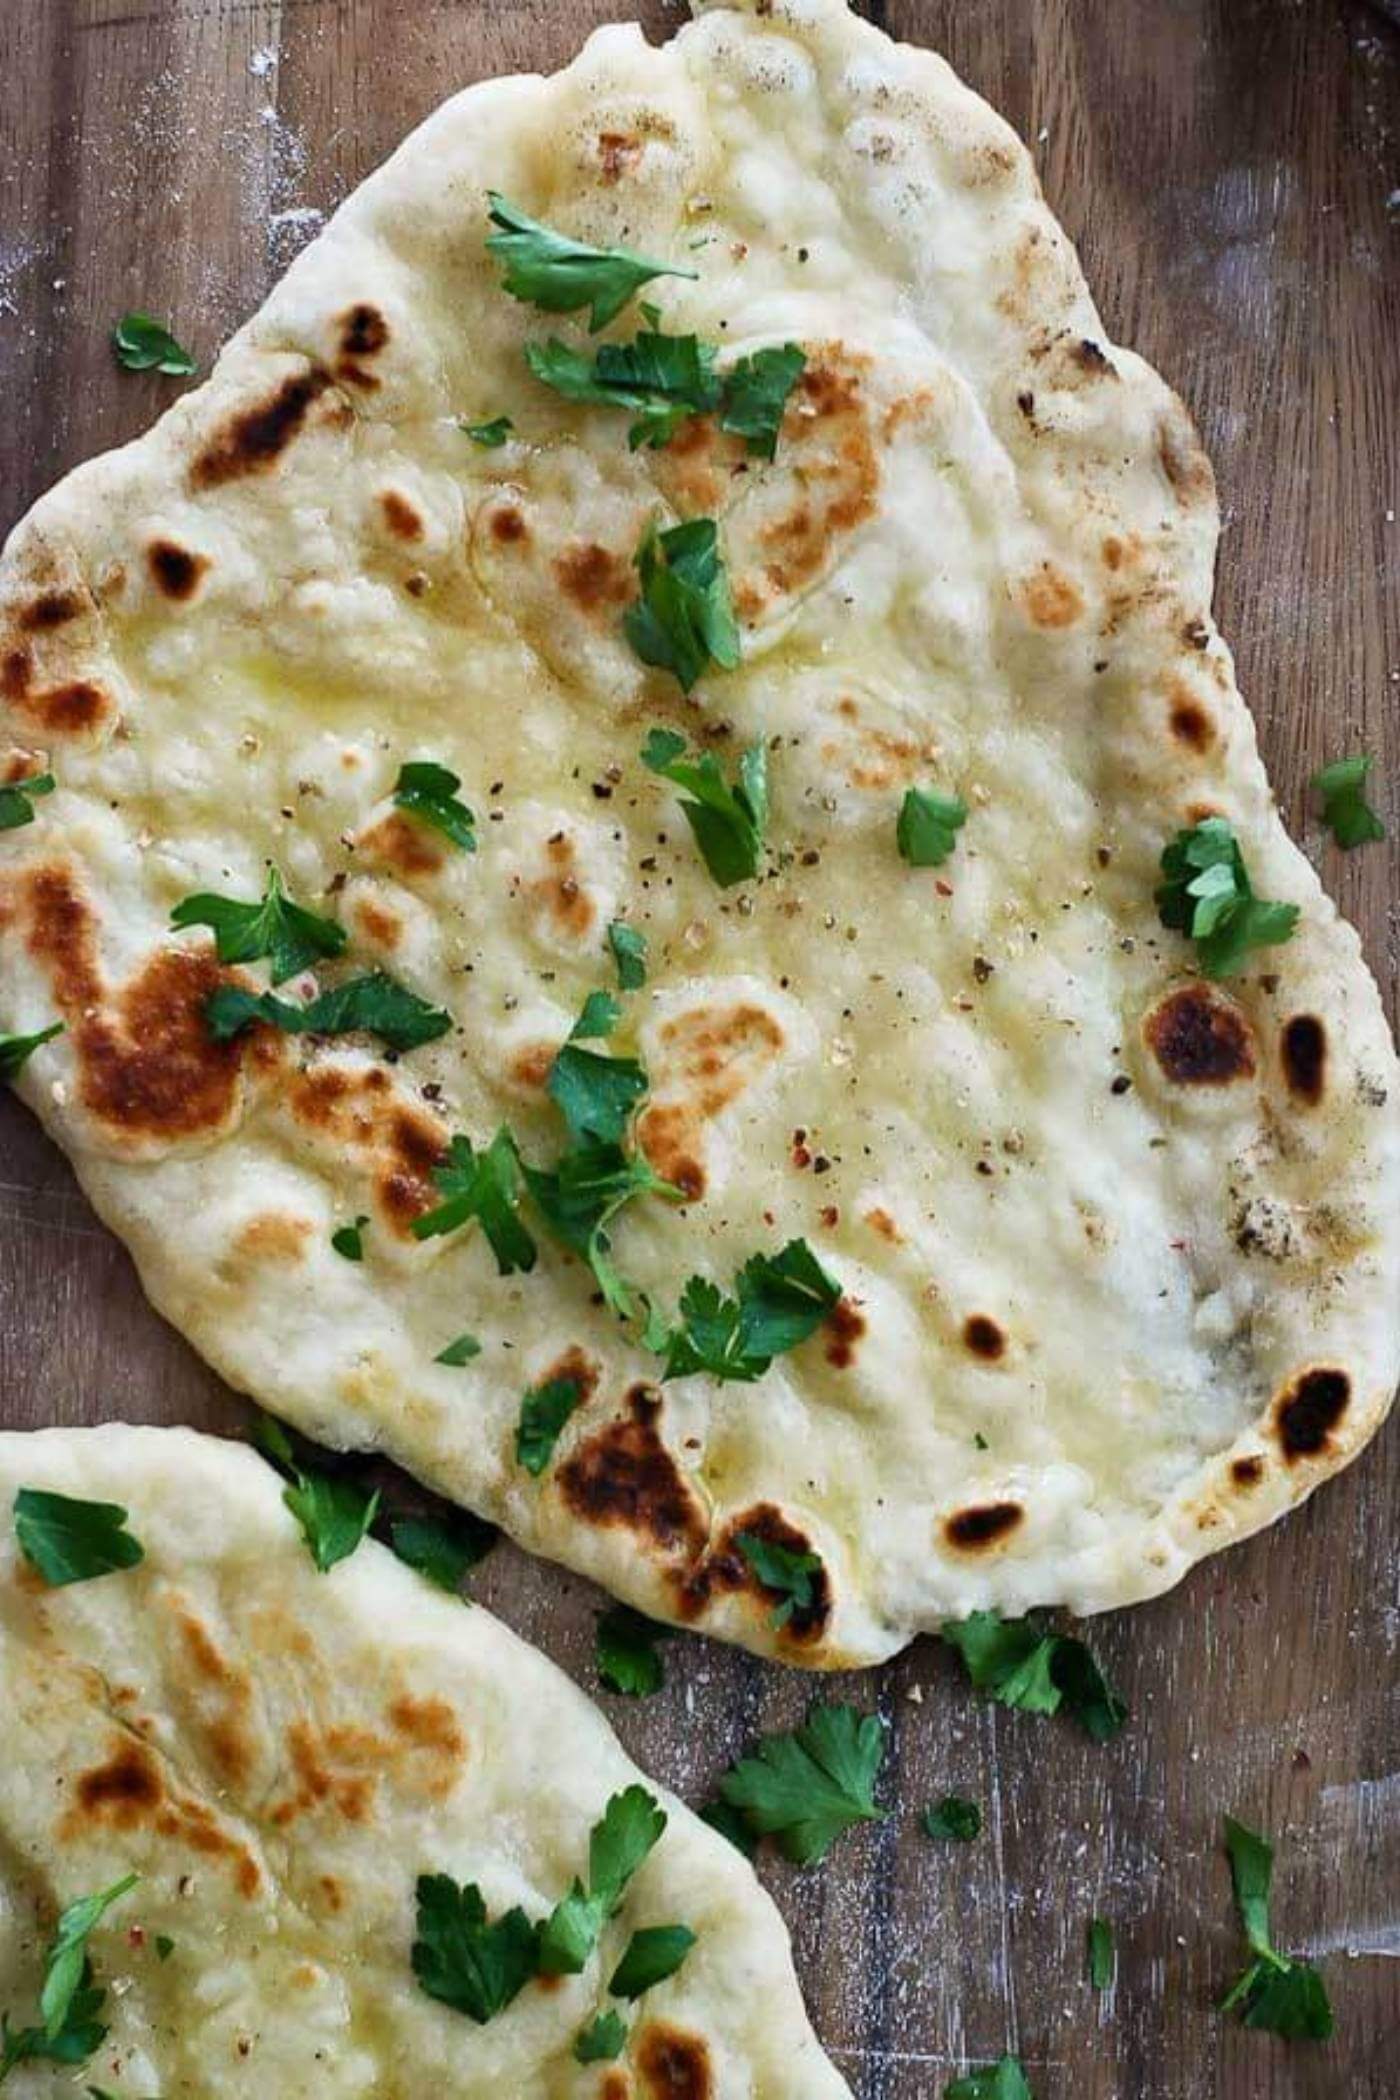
(1231, 172)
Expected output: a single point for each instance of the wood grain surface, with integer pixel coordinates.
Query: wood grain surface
(1231, 172)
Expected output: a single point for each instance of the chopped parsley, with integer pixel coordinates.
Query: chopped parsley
(464, 1961)
(1019, 1664)
(595, 1094)
(953, 1817)
(142, 345)
(68, 1540)
(443, 1549)
(630, 1828)
(804, 1789)
(543, 1412)
(927, 827)
(684, 619)
(349, 1240)
(1103, 1961)
(779, 1568)
(486, 1186)
(16, 1050)
(1285, 1996)
(1004, 2080)
(662, 379)
(562, 275)
(602, 2041)
(598, 1017)
(334, 1512)
(429, 791)
(69, 2002)
(165, 1946)
(459, 1352)
(581, 1195)
(652, 1954)
(489, 435)
(728, 822)
(629, 952)
(16, 805)
(374, 1004)
(1207, 895)
(756, 390)
(624, 1652)
(780, 1300)
(290, 937)
(1345, 810)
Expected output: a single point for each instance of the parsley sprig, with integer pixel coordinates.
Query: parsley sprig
(1286, 1996)
(1207, 894)
(375, 1004)
(141, 344)
(561, 275)
(664, 379)
(286, 934)
(927, 827)
(728, 822)
(16, 799)
(428, 791)
(581, 1195)
(624, 1652)
(484, 1185)
(69, 1540)
(544, 1411)
(334, 1512)
(70, 2003)
(779, 1301)
(631, 1827)
(684, 619)
(16, 1050)
(1345, 810)
(804, 1789)
(1019, 1664)
(952, 1817)
(443, 1549)
(789, 1574)
(463, 1959)
(756, 390)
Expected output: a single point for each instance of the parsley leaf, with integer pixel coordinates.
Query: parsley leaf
(1207, 894)
(16, 1050)
(142, 345)
(652, 1955)
(459, 1352)
(662, 379)
(602, 2041)
(631, 1826)
(779, 1568)
(730, 1824)
(274, 927)
(1345, 810)
(543, 1412)
(780, 1300)
(624, 1652)
(953, 1818)
(165, 1946)
(561, 275)
(334, 1512)
(756, 390)
(1103, 1962)
(727, 822)
(475, 1967)
(1283, 1996)
(444, 1550)
(927, 827)
(349, 1240)
(999, 2081)
(486, 1186)
(581, 1195)
(489, 435)
(69, 2003)
(629, 952)
(15, 804)
(597, 1019)
(595, 1094)
(684, 620)
(375, 1004)
(429, 791)
(68, 1540)
(804, 1789)
(1021, 1665)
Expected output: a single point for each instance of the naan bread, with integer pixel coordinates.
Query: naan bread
(1119, 1249)
(278, 1754)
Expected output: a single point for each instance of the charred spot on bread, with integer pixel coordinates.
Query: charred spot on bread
(971, 1530)
(625, 1477)
(174, 570)
(254, 439)
(1308, 1411)
(1200, 1037)
(984, 1337)
(1303, 1048)
(672, 2064)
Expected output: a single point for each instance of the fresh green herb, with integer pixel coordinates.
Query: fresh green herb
(597, 1019)
(1021, 1665)
(602, 2041)
(374, 1004)
(16, 1050)
(595, 1094)
(292, 938)
(489, 435)
(662, 379)
(779, 1568)
(429, 791)
(486, 1186)
(804, 1789)
(334, 1512)
(16, 806)
(756, 392)
(624, 1652)
(349, 1240)
(1207, 895)
(928, 826)
(70, 2002)
(459, 1352)
(955, 1818)
(728, 822)
(165, 1946)
(562, 275)
(1103, 1962)
(684, 619)
(780, 1300)
(630, 1828)
(1283, 1996)
(142, 345)
(652, 1955)
(475, 1967)
(980, 1441)
(72, 1541)
(999, 2081)
(444, 1549)
(581, 1195)
(1345, 810)
(629, 952)
(543, 1412)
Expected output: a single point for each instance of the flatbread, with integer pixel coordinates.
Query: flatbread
(278, 1754)
(1118, 1249)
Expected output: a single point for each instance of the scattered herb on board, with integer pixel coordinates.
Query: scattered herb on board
(790, 1574)
(373, 1005)
(16, 799)
(463, 1960)
(727, 822)
(1102, 1959)
(1019, 1664)
(428, 791)
(69, 1540)
(999, 2081)
(805, 1788)
(486, 1186)
(142, 345)
(1345, 810)
(684, 619)
(927, 828)
(953, 1817)
(624, 1652)
(334, 1512)
(287, 935)
(1285, 1996)
(16, 1050)
(70, 2003)
(630, 1828)
(1207, 895)
(561, 275)
(779, 1301)
(543, 1412)
(443, 1549)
